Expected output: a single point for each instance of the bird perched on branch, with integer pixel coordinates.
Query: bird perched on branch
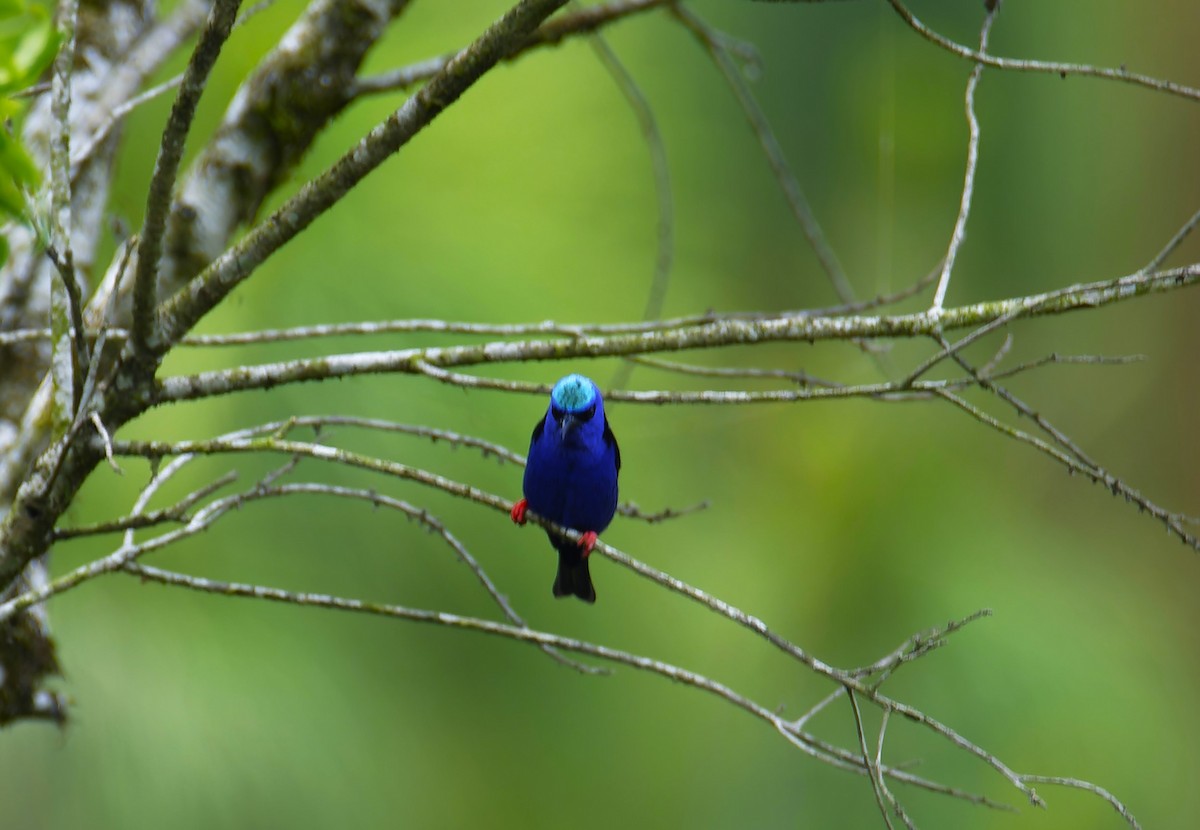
(571, 478)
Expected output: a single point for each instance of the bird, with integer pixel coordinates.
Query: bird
(571, 478)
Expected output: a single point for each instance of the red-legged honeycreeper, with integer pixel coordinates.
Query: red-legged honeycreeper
(571, 478)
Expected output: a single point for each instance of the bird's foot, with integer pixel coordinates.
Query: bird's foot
(518, 511)
(588, 541)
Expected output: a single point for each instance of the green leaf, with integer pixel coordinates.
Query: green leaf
(16, 163)
(36, 50)
(11, 202)
(22, 62)
(12, 8)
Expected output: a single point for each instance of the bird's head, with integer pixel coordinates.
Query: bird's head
(574, 404)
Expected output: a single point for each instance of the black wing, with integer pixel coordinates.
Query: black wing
(611, 439)
(537, 431)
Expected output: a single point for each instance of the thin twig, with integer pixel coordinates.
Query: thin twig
(75, 339)
(1173, 244)
(551, 33)
(950, 349)
(917, 646)
(1061, 69)
(104, 437)
(1095, 470)
(968, 189)
(803, 379)
(789, 184)
(1174, 521)
(891, 798)
(799, 723)
(152, 48)
(431, 522)
(320, 422)
(166, 167)
(157, 449)
(987, 369)
(872, 770)
(835, 756)
(1053, 359)
(118, 115)
(178, 512)
(179, 314)
(1058, 435)
(631, 511)
(652, 136)
(1087, 786)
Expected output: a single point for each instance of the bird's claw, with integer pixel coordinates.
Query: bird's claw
(588, 541)
(518, 511)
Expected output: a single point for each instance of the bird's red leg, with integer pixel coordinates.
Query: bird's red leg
(518, 511)
(588, 541)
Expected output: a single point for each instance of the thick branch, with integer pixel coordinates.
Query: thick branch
(724, 332)
(204, 292)
(279, 111)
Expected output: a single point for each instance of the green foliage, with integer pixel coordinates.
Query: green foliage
(28, 43)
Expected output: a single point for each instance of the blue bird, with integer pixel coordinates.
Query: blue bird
(571, 478)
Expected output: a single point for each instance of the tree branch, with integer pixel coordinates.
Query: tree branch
(182, 311)
(1062, 69)
(551, 33)
(166, 167)
(968, 189)
(726, 332)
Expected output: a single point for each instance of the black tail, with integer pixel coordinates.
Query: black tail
(573, 578)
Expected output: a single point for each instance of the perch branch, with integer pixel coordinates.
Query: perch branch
(835, 756)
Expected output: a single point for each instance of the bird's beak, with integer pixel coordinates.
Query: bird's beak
(569, 423)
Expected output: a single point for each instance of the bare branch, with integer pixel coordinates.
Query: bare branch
(1062, 69)
(138, 520)
(434, 361)
(716, 46)
(799, 723)
(833, 755)
(185, 308)
(320, 422)
(141, 60)
(1174, 243)
(551, 33)
(915, 647)
(1175, 522)
(648, 124)
(968, 190)
(1091, 788)
(128, 553)
(104, 437)
(632, 511)
(873, 773)
(803, 379)
(166, 167)
(118, 115)
(1060, 360)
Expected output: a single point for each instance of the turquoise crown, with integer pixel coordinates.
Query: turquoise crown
(574, 393)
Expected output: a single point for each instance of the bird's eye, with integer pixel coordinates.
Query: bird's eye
(587, 414)
(558, 414)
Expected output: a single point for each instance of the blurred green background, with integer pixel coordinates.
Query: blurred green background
(846, 526)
